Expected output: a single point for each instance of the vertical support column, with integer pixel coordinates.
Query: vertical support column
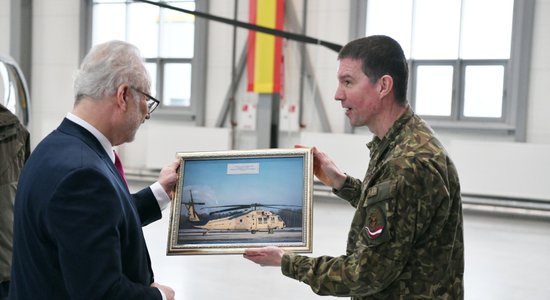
(267, 121)
(21, 35)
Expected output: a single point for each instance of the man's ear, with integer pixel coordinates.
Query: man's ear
(121, 96)
(385, 85)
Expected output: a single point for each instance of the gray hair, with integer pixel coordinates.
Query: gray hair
(106, 67)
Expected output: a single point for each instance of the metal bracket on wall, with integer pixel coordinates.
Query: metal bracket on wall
(312, 81)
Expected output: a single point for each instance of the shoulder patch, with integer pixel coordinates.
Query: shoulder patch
(376, 222)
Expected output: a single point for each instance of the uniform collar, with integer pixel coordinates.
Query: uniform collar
(378, 146)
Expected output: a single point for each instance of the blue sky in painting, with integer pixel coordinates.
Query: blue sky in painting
(280, 180)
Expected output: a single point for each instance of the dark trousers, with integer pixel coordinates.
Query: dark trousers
(4, 289)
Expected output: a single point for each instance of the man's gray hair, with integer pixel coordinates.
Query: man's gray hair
(106, 67)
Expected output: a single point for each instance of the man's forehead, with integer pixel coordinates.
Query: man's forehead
(349, 67)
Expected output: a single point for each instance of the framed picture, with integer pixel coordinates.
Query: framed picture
(227, 201)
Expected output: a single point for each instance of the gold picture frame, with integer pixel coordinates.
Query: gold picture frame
(228, 201)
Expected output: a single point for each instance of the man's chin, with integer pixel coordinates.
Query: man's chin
(131, 138)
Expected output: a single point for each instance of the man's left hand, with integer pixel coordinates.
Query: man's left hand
(168, 177)
(270, 256)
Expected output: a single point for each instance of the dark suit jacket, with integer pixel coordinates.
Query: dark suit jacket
(77, 228)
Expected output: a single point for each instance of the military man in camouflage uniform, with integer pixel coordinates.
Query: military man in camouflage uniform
(15, 148)
(406, 238)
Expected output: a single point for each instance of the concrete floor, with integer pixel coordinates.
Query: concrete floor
(506, 258)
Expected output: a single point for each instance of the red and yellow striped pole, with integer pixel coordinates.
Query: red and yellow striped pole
(264, 61)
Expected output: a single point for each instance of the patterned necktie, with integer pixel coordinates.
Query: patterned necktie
(119, 167)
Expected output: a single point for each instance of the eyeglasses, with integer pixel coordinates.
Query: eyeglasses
(152, 103)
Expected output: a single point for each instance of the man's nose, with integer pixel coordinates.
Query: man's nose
(339, 95)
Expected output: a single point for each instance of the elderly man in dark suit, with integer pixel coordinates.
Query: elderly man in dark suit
(77, 227)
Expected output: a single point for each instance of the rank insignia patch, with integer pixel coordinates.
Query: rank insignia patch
(376, 222)
(373, 191)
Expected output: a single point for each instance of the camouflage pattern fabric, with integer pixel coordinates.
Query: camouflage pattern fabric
(14, 150)
(406, 238)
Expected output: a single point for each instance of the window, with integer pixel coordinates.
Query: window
(461, 55)
(167, 40)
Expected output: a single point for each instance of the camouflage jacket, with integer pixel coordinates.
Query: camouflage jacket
(406, 238)
(14, 151)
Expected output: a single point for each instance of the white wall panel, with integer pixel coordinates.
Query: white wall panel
(163, 141)
(5, 27)
(503, 169)
(349, 152)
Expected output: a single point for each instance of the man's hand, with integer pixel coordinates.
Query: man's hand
(267, 256)
(166, 290)
(326, 170)
(168, 177)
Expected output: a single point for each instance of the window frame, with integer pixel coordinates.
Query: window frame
(458, 101)
(516, 76)
(196, 110)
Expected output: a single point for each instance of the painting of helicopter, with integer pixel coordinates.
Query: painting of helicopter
(226, 201)
(252, 217)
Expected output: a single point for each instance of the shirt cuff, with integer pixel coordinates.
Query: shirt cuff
(286, 264)
(348, 190)
(162, 198)
(162, 294)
